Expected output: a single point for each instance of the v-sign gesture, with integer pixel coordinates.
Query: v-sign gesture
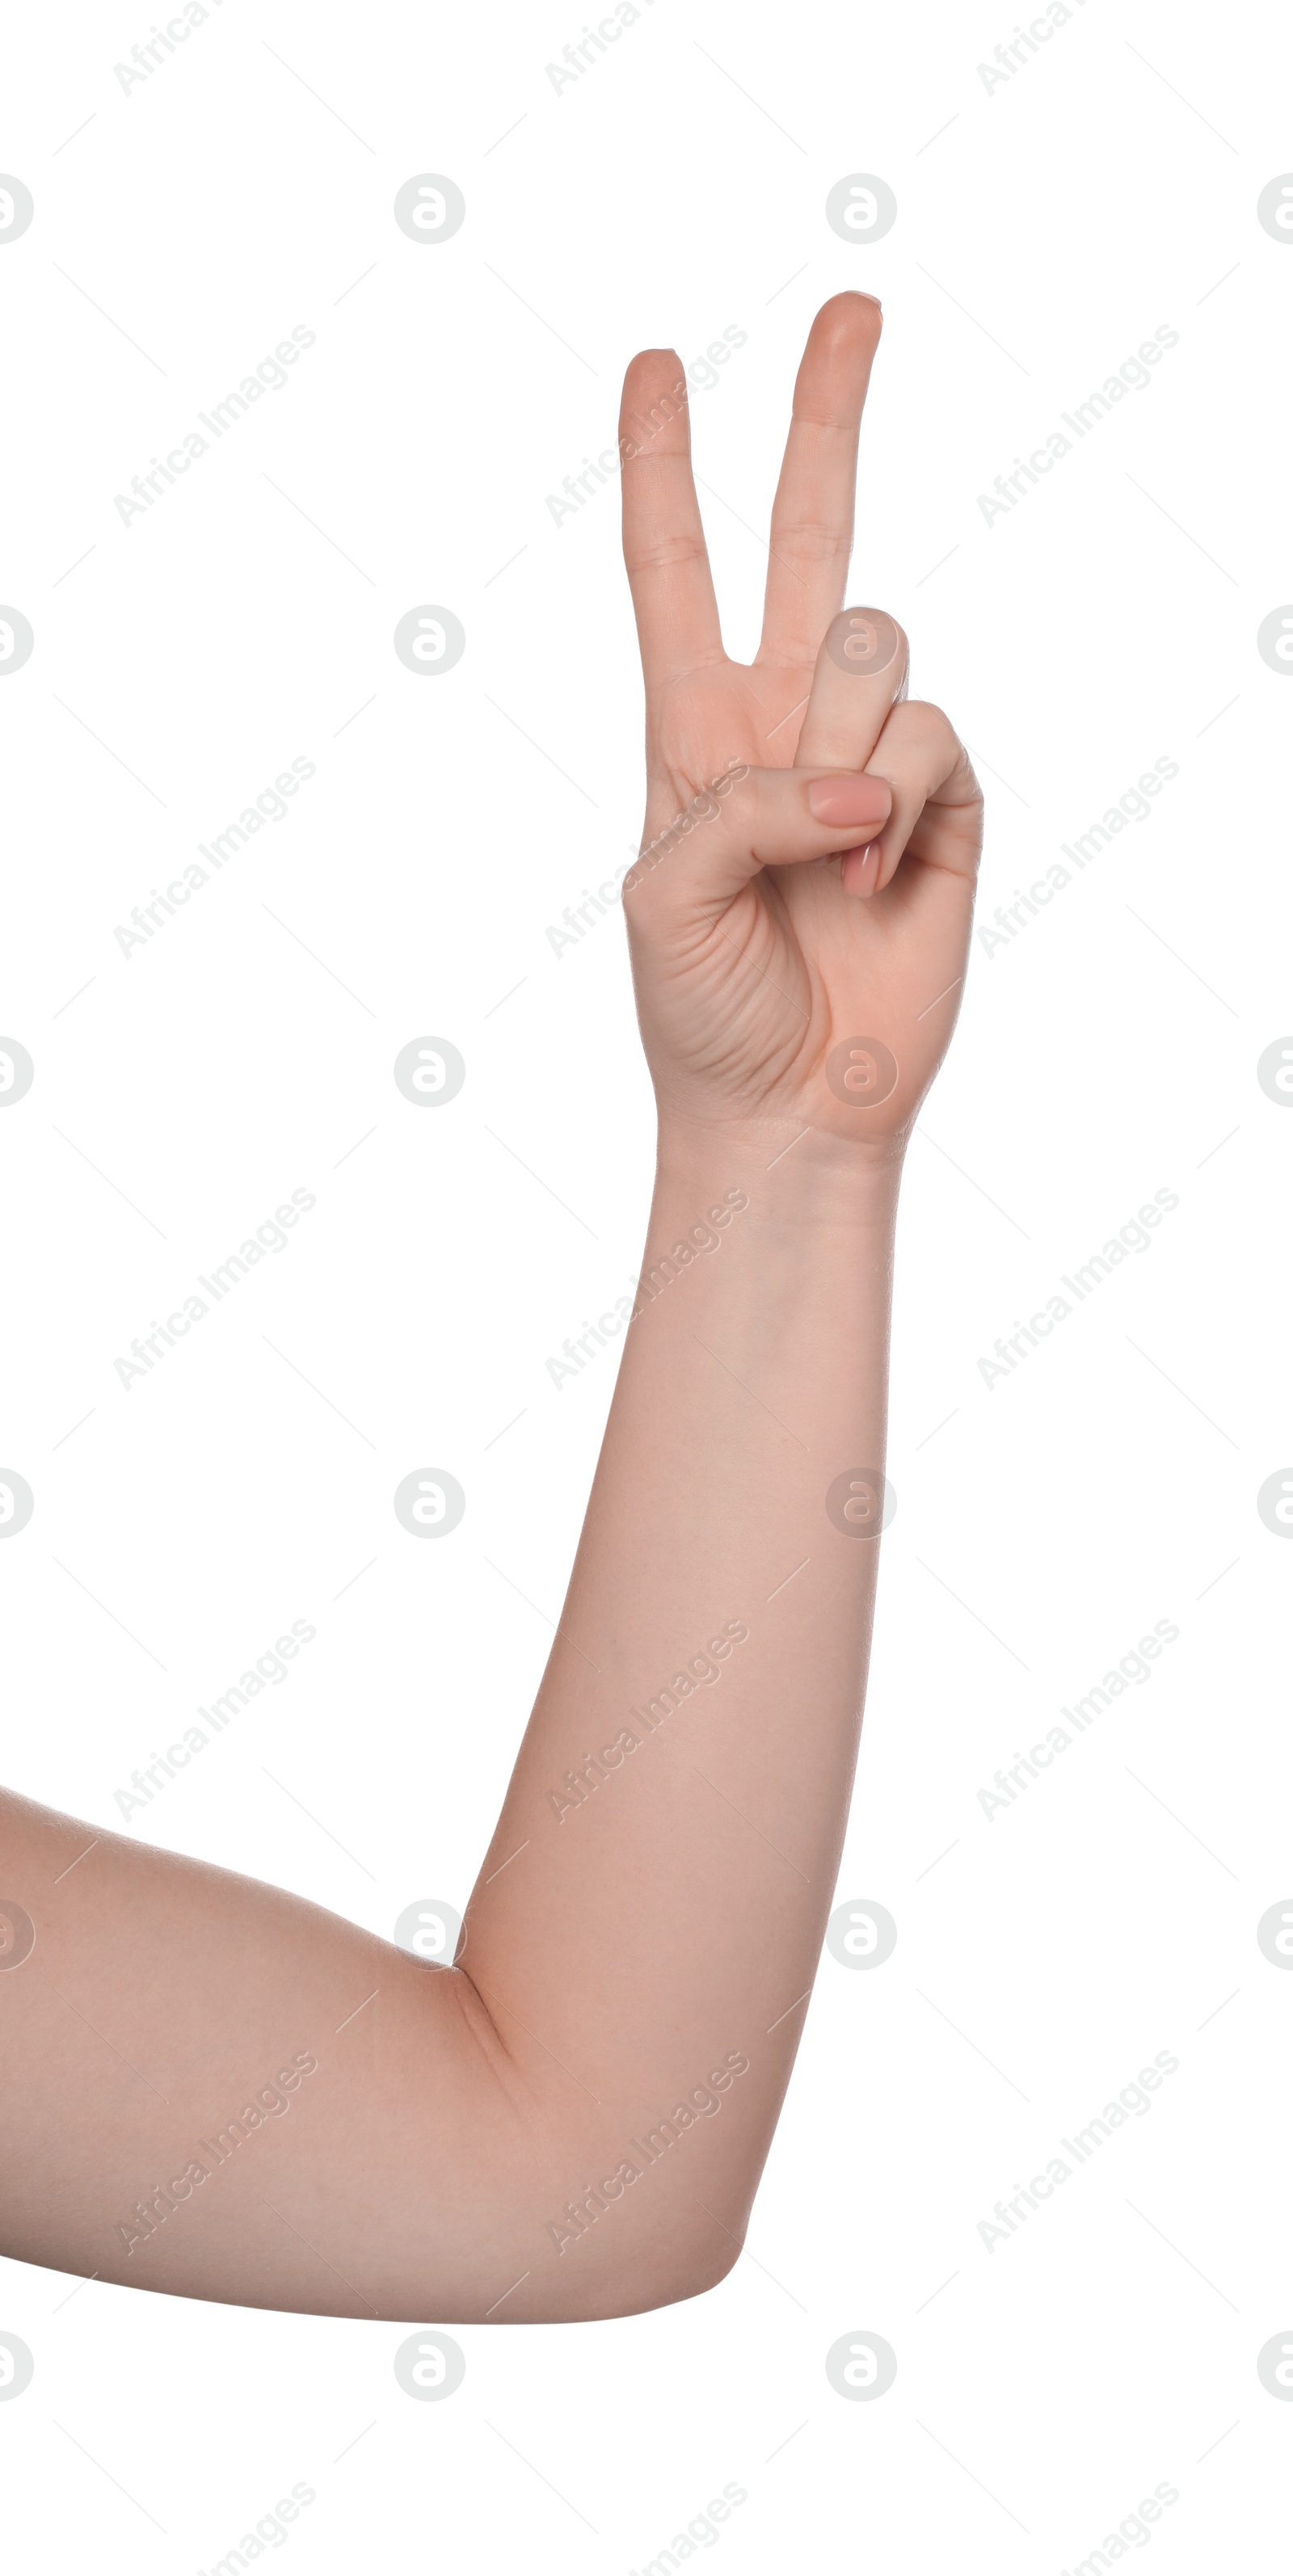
(812, 834)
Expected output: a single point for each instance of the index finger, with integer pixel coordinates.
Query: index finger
(664, 542)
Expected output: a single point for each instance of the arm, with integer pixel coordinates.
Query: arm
(572, 2121)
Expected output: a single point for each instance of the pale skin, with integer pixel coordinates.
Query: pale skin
(485, 2141)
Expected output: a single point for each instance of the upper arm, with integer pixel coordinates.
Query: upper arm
(216, 2089)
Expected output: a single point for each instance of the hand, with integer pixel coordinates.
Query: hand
(812, 836)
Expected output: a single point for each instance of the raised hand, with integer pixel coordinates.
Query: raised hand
(807, 877)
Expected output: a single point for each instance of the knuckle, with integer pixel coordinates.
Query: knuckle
(927, 729)
(664, 554)
(823, 539)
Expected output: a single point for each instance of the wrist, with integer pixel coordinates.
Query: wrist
(789, 1173)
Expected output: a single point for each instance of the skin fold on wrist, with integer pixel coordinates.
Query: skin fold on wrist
(791, 1175)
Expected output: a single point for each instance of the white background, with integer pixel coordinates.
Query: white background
(1046, 227)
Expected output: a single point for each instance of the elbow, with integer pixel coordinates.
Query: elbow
(632, 2236)
(591, 2284)
(703, 2271)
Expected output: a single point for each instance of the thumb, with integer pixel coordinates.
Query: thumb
(747, 819)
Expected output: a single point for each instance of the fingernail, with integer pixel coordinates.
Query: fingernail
(861, 870)
(857, 799)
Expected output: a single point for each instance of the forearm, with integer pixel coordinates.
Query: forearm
(676, 1815)
(625, 1947)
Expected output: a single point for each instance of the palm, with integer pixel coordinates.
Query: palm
(795, 962)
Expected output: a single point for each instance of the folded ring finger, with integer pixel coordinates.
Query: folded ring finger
(860, 677)
(917, 755)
